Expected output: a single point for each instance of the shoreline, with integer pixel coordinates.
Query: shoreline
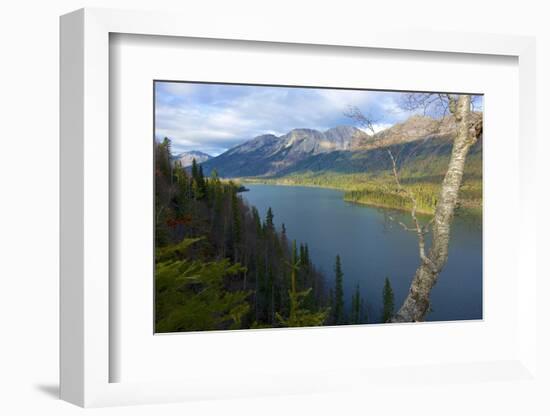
(389, 207)
(470, 210)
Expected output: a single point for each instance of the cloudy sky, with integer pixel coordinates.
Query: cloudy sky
(215, 117)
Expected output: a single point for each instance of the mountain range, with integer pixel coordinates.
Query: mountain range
(342, 149)
(186, 158)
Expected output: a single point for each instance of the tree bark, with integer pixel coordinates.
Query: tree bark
(417, 303)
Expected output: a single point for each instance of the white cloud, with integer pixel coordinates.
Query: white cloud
(217, 117)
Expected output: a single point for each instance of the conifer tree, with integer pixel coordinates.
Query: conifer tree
(190, 294)
(298, 315)
(331, 300)
(388, 301)
(356, 306)
(237, 225)
(202, 182)
(163, 161)
(204, 285)
(256, 220)
(306, 254)
(269, 220)
(195, 170)
(338, 292)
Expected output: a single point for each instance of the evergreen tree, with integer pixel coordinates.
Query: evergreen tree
(302, 255)
(388, 301)
(356, 306)
(190, 294)
(198, 185)
(202, 182)
(256, 220)
(331, 300)
(363, 313)
(338, 292)
(269, 220)
(298, 315)
(163, 161)
(195, 170)
(201, 174)
(204, 285)
(306, 254)
(217, 190)
(237, 225)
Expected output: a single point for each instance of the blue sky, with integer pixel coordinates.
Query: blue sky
(215, 117)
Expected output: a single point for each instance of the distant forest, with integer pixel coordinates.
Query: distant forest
(220, 266)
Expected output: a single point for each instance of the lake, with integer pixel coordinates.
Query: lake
(372, 247)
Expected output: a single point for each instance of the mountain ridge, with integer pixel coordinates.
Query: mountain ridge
(186, 158)
(342, 148)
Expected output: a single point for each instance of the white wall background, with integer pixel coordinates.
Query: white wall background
(29, 187)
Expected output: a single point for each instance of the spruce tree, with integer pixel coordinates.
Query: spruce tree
(195, 170)
(269, 220)
(388, 301)
(338, 292)
(202, 182)
(237, 225)
(191, 294)
(256, 220)
(299, 315)
(356, 306)
(165, 155)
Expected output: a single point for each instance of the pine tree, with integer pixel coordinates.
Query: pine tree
(163, 162)
(198, 184)
(331, 300)
(257, 221)
(202, 182)
(356, 306)
(237, 225)
(190, 294)
(338, 292)
(269, 220)
(388, 301)
(204, 287)
(298, 315)
(302, 255)
(195, 170)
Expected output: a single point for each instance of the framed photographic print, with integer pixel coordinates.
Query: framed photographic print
(280, 214)
(293, 226)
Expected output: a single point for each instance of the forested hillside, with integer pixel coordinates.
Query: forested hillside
(347, 158)
(366, 175)
(220, 266)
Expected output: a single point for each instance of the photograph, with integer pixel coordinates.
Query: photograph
(281, 206)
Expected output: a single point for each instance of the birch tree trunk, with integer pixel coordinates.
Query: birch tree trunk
(417, 303)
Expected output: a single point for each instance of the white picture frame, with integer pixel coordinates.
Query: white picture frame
(86, 356)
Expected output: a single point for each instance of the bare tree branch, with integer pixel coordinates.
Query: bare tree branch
(469, 127)
(366, 122)
(418, 227)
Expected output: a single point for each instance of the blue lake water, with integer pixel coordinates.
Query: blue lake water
(373, 247)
